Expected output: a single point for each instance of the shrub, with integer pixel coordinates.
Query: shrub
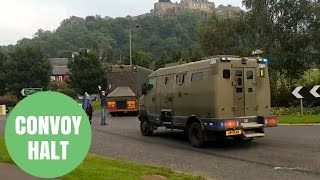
(9, 101)
(295, 111)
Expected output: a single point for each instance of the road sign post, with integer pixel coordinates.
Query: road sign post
(30, 91)
(301, 106)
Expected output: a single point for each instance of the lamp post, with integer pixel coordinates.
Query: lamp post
(130, 42)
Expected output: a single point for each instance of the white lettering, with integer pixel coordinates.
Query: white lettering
(48, 125)
(33, 150)
(44, 151)
(64, 145)
(32, 125)
(43, 125)
(76, 123)
(54, 123)
(53, 151)
(65, 125)
(20, 130)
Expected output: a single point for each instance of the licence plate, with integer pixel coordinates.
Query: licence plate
(233, 132)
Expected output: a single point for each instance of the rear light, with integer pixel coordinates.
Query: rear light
(231, 124)
(111, 104)
(272, 122)
(131, 104)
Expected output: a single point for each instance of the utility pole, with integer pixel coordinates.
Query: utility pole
(130, 43)
(130, 47)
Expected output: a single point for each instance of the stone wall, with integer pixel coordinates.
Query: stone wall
(166, 7)
(162, 8)
(203, 5)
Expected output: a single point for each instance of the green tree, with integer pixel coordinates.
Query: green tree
(220, 35)
(86, 72)
(140, 58)
(27, 67)
(3, 58)
(287, 31)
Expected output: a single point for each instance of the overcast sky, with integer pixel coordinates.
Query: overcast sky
(22, 18)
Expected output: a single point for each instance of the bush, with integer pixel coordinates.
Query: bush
(295, 111)
(9, 101)
(68, 91)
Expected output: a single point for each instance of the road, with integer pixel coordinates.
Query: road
(288, 152)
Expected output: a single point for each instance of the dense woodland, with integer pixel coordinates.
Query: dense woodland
(287, 31)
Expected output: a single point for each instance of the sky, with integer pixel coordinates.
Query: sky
(22, 18)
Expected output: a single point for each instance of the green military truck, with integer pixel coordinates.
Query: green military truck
(220, 97)
(125, 88)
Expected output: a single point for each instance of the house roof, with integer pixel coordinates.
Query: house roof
(59, 61)
(60, 70)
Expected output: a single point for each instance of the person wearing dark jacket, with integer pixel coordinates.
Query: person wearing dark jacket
(87, 104)
(103, 99)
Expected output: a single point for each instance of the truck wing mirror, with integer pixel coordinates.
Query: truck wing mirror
(150, 86)
(144, 89)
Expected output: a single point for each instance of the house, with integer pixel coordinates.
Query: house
(60, 70)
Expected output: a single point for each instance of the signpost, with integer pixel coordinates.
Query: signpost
(303, 92)
(30, 91)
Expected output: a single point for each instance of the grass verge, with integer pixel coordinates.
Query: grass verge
(4, 155)
(296, 119)
(98, 167)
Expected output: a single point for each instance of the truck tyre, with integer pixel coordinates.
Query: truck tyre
(145, 128)
(196, 135)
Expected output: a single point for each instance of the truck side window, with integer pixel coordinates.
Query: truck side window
(239, 81)
(249, 74)
(153, 82)
(180, 79)
(226, 74)
(197, 76)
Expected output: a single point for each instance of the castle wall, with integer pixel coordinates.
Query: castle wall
(203, 5)
(161, 8)
(166, 7)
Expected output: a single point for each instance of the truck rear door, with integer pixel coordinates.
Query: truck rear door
(250, 85)
(244, 92)
(238, 94)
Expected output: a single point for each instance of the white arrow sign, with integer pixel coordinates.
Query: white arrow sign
(314, 91)
(296, 92)
(22, 92)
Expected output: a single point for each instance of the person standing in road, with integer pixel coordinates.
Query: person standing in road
(103, 99)
(87, 104)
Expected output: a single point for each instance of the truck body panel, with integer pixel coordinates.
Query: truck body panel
(215, 92)
(125, 82)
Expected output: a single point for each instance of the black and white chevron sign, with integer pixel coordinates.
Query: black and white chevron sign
(304, 92)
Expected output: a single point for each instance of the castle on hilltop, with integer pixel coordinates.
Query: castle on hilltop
(166, 7)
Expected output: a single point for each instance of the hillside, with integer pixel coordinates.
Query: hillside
(157, 36)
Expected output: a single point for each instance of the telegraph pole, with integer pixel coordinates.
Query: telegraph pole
(130, 43)
(130, 46)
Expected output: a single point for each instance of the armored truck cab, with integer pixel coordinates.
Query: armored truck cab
(220, 97)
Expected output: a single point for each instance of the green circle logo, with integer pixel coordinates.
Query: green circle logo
(48, 135)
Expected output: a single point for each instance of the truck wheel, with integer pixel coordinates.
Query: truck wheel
(145, 128)
(196, 135)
